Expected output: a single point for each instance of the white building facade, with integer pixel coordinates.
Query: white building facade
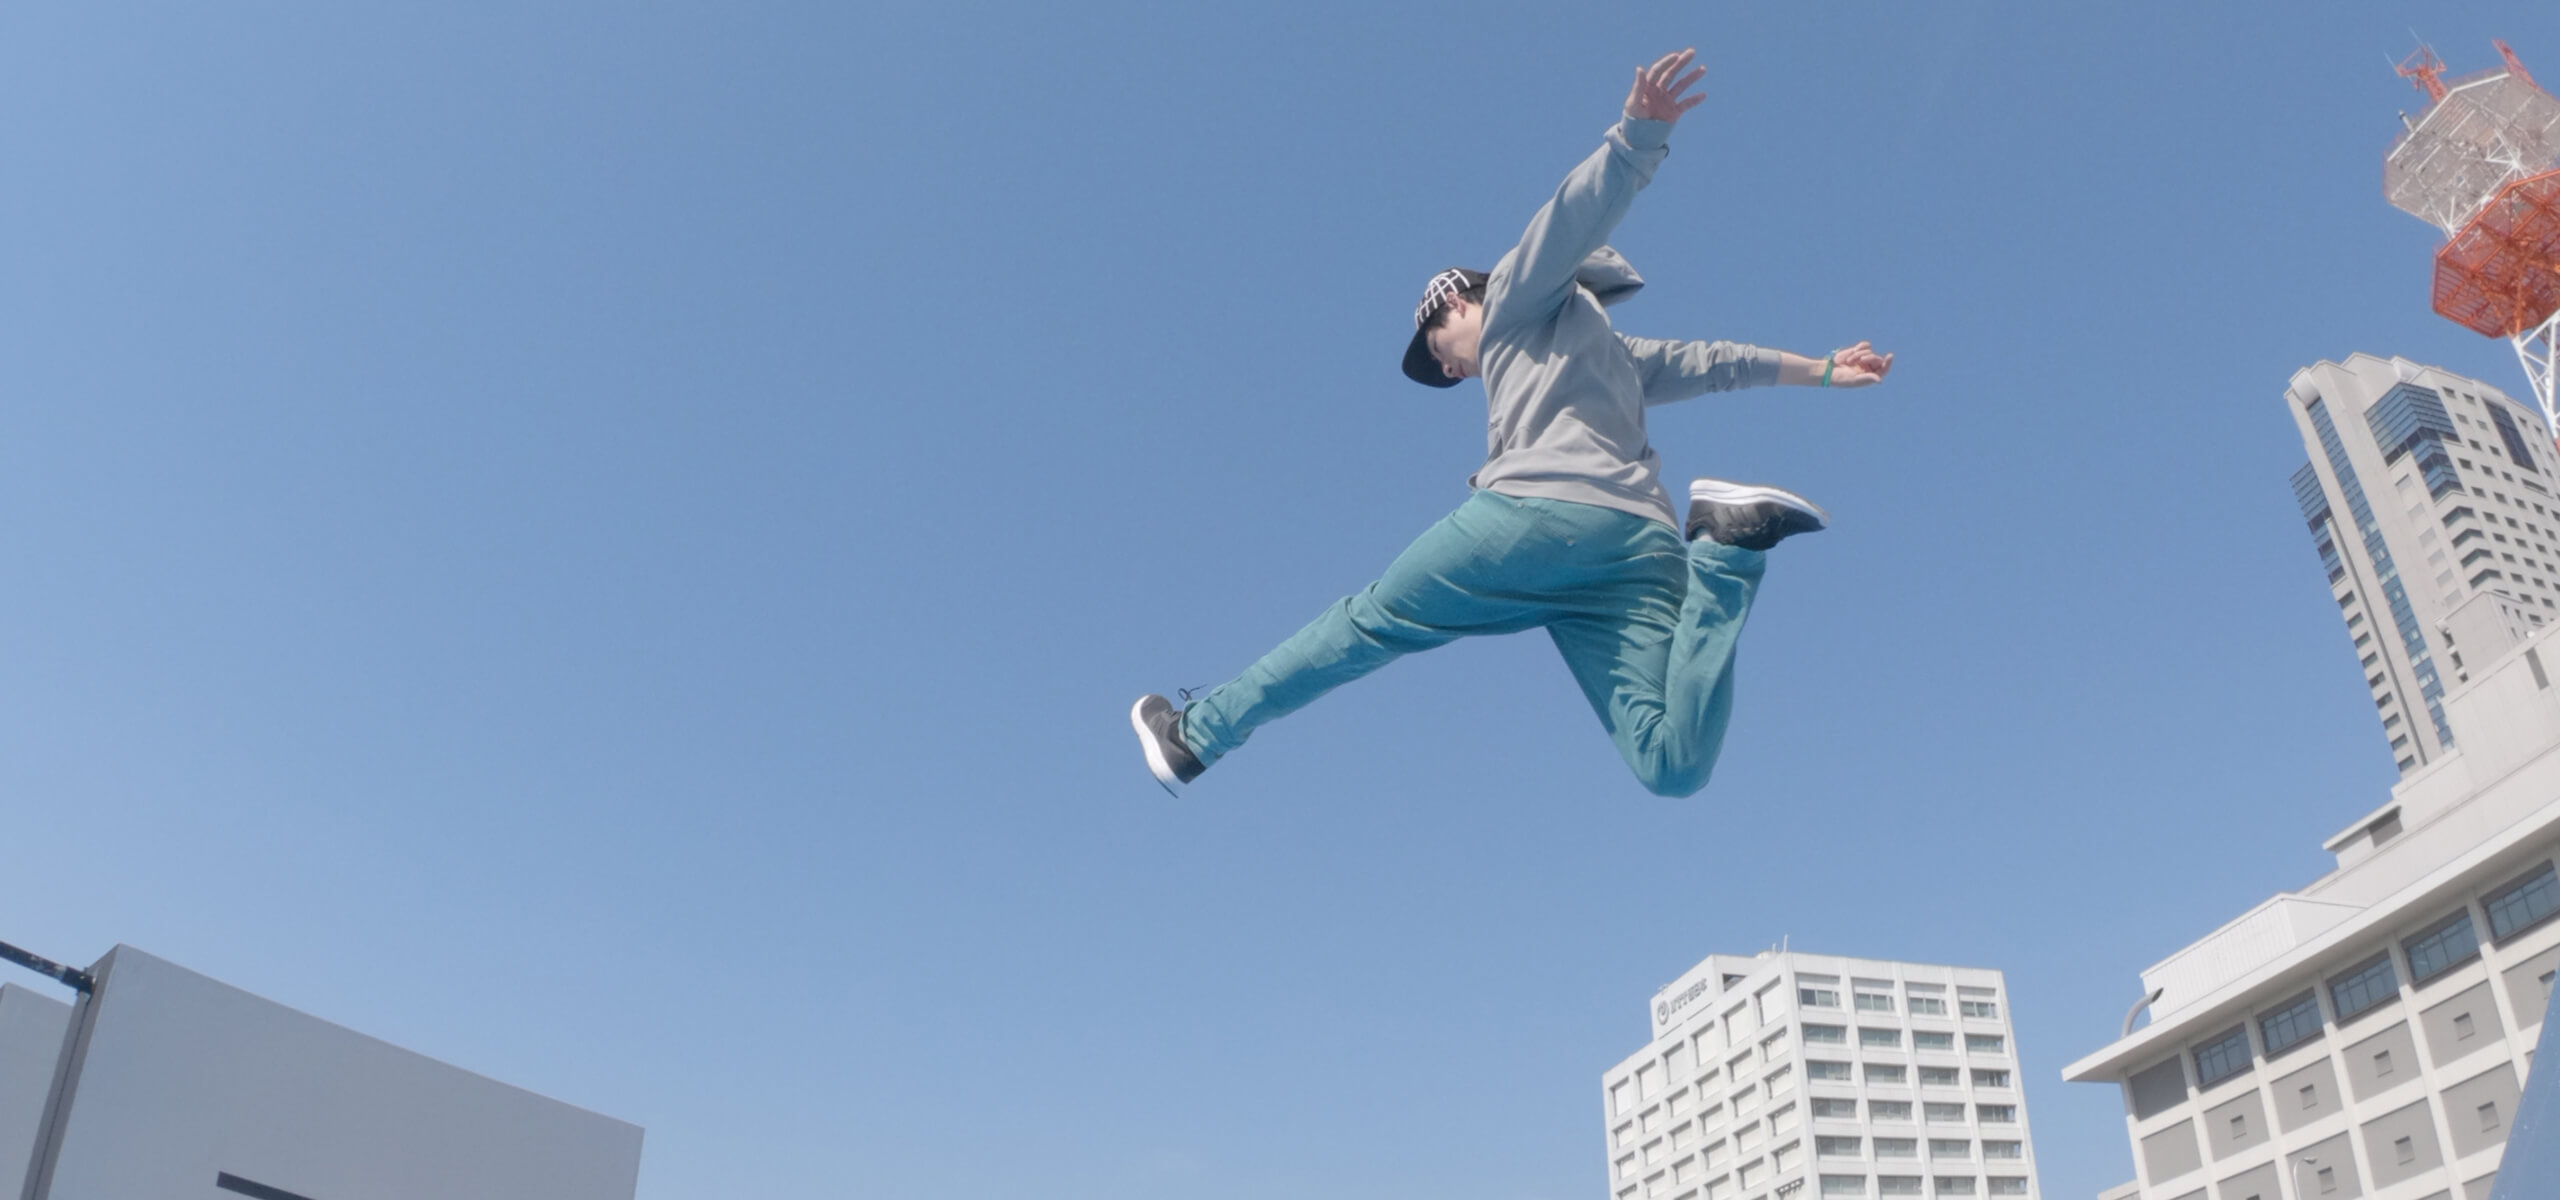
(2369, 1034)
(2434, 503)
(1787, 1076)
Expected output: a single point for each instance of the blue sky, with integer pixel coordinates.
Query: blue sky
(612, 544)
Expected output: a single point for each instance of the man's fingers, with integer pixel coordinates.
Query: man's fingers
(1687, 81)
(1669, 64)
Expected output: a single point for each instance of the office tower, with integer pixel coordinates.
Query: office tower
(1787, 1076)
(2368, 1034)
(2431, 503)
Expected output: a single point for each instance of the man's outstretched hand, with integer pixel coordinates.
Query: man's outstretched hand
(1656, 94)
(1858, 366)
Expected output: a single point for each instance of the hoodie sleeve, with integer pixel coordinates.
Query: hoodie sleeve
(1534, 280)
(1672, 370)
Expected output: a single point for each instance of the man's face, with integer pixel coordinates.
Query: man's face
(1453, 340)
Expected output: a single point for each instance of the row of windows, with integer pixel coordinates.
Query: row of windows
(1713, 1148)
(1920, 1006)
(1940, 1149)
(1897, 1073)
(1936, 1112)
(1746, 1100)
(1909, 1185)
(2522, 904)
(1891, 1039)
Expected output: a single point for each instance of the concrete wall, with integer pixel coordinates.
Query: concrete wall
(32, 1029)
(183, 1086)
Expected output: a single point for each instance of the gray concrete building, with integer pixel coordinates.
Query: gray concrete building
(1787, 1076)
(2430, 498)
(157, 1081)
(33, 1028)
(2368, 1034)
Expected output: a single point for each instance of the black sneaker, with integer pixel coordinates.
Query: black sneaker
(1753, 516)
(1159, 726)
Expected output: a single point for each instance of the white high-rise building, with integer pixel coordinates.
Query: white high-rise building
(2368, 1034)
(1786, 1076)
(2434, 502)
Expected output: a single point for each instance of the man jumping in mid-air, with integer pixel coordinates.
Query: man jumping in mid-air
(1569, 528)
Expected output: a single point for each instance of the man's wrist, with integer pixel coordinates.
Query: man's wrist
(1644, 133)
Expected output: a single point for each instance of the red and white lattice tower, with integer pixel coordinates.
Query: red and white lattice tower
(2482, 163)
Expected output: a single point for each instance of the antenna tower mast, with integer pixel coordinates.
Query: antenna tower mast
(2482, 163)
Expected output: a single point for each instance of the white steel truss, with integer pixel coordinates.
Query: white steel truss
(2538, 349)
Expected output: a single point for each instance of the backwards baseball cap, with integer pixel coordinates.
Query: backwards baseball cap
(1419, 365)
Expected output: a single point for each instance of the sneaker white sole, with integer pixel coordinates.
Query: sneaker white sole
(1156, 764)
(1724, 492)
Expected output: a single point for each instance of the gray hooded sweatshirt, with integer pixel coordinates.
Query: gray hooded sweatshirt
(1566, 392)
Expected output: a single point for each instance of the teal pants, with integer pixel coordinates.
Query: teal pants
(1646, 623)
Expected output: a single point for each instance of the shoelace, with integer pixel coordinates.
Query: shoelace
(1187, 693)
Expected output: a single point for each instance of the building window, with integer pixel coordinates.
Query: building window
(1898, 1185)
(1940, 1077)
(2290, 1025)
(1844, 1185)
(1880, 1039)
(1943, 1114)
(2222, 1057)
(1839, 1147)
(1817, 997)
(1928, 1006)
(1825, 1035)
(2004, 1149)
(1951, 1149)
(2008, 1185)
(1886, 1073)
(1817, 1069)
(1979, 1008)
(2356, 989)
(2450, 943)
(1955, 1185)
(1870, 1002)
(2526, 902)
(1846, 1110)
(1922, 1039)
(1888, 1110)
(1997, 1114)
(1897, 1147)
(1990, 1079)
(1985, 1043)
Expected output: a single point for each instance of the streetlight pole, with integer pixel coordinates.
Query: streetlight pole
(2307, 1160)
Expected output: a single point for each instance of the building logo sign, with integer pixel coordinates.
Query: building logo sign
(1670, 1006)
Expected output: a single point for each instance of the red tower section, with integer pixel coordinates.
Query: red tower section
(2482, 163)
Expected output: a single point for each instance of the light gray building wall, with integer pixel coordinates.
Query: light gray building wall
(2367, 1034)
(2433, 501)
(1788, 1076)
(173, 1084)
(32, 1028)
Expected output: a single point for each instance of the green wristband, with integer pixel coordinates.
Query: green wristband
(1826, 369)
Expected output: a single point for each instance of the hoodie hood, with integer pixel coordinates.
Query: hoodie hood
(1609, 276)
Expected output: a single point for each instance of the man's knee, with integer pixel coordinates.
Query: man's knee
(1676, 781)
